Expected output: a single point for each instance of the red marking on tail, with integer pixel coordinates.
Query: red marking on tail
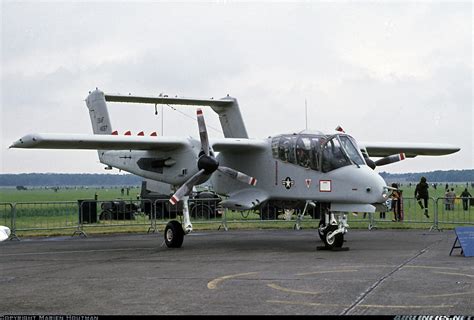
(141, 133)
(154, 134)
(128, 133)
(115, 133)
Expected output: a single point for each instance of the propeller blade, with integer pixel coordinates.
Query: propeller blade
(369, 161)
(188, 186)
(390, 159)
(238, 175)
(203, 132)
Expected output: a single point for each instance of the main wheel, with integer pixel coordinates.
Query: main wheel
(333, 242)
(174, 234)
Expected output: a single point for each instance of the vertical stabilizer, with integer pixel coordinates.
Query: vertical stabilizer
(97, 106)
(231, 120)
(99, 114)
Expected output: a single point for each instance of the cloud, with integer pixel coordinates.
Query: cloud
(384, 71)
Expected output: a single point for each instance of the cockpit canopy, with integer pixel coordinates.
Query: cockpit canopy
(317, 151)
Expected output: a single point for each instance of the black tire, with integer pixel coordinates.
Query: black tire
(174, 234)
(321, 233)
(106, 215)
(334, 242)
(202, 211)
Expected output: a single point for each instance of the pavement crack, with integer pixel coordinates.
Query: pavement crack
(364, 294)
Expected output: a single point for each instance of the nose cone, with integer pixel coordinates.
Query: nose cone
(363, 185)
(378, 188)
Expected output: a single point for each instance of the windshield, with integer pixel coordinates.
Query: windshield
(334, 156)
(340, 151)
(311, 151)
(351, 150)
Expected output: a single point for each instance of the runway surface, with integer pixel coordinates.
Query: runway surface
(238, 272)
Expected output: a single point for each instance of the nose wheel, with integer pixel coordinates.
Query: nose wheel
(332, 233)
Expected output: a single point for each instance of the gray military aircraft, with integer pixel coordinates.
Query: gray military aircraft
(332, 171)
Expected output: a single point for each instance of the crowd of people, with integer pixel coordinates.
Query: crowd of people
(421, 195)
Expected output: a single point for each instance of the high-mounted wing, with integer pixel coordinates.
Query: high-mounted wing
(99, 142)
(384, 149)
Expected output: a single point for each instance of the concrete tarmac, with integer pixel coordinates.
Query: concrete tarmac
(277, 272)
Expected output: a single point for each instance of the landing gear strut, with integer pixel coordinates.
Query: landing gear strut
(332, 230)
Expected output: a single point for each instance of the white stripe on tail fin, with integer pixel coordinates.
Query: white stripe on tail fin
(100, 120)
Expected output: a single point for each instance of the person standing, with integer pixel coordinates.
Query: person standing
(447, 205)
(396, 203)
(451, 198)
(421, 195)
(465, 195)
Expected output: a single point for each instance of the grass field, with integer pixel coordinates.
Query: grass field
(35, 216)
(62, 194)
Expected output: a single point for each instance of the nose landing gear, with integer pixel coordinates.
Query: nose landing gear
(331, 231)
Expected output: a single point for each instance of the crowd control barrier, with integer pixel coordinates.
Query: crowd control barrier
(150, 216)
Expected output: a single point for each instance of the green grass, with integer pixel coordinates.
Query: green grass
(41, 194)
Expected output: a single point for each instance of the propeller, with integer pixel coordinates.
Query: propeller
(384, 161)
(207, 165)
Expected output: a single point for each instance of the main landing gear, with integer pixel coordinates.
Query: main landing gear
(174, 232)
(331, 230)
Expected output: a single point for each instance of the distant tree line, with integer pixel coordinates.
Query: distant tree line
(66, 179)
(433, 176)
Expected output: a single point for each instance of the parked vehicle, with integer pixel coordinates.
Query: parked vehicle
(204, 204)
(118, 210)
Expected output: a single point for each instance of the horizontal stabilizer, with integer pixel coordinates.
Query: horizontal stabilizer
(102, 142)
(227, 108)
(168, 100)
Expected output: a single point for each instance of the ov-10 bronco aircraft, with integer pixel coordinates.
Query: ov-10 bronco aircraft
(288, 170)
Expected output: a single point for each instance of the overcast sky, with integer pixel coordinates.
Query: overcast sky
(384, 71)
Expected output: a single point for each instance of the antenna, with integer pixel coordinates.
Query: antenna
(306, 113)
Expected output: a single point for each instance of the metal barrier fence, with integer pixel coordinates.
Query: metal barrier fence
(84, 214)
(455, 211)
(113, 213)
(7, 218)
(204, 210)
(412, 213)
